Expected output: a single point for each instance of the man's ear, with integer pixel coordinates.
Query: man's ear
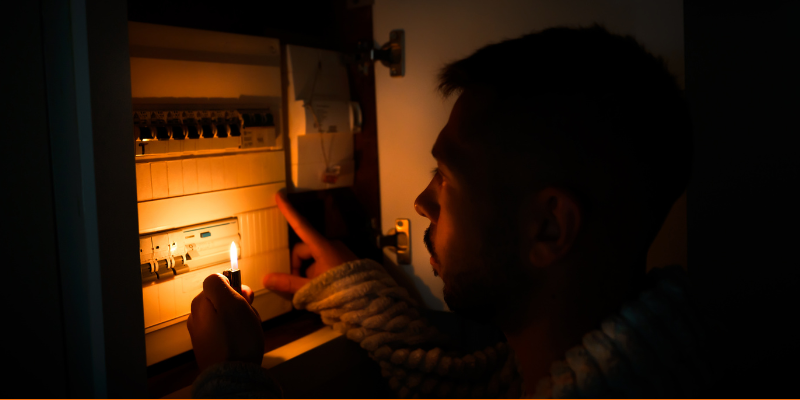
(557, 227)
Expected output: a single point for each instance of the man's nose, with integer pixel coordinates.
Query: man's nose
(425, 205)
(418, 208)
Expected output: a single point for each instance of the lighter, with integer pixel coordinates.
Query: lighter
(234, 275)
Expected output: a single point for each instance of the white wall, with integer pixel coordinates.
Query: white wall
(411, 113)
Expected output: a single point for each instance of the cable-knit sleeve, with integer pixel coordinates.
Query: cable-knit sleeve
(361, 300)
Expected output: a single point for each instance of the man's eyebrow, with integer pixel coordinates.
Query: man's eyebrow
(440, 154)
(445, 155)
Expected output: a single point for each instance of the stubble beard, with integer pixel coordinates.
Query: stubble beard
(481, 286)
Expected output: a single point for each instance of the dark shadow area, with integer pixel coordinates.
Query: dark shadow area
(742, 84)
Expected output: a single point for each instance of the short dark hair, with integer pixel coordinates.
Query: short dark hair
(607, 103)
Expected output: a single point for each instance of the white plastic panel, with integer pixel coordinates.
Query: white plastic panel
(217, 173)
(144, 186)
(158, 176)
(181, 211)
(175, 177)
(263, 231)
(197, 175)
(230, 169)
(178, 78)
(204, 175)
(189, 176)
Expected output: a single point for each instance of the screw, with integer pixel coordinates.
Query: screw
(400, 224)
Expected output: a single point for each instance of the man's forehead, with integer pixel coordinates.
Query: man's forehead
(449, 149)
(453, 148)
(466, 120)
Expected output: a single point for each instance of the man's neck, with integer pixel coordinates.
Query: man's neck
(555, 321)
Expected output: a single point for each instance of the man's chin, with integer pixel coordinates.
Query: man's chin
(476, 308)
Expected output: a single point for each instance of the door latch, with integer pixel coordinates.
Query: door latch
(391, 54)
(399, 237)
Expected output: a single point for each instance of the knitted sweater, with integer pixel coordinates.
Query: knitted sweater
(651, 348)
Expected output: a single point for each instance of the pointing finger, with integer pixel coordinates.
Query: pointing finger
(300, 225)
(284, 282)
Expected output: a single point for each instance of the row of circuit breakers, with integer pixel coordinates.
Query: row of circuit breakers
(204, 124)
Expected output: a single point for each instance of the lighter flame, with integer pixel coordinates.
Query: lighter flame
(234, 257)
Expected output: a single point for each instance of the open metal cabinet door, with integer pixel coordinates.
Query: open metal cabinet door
(410, 113)
(86, 74)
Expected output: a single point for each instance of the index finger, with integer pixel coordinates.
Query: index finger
(304, 230)
(284, 282)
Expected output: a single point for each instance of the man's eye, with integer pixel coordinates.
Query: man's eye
(435, 171)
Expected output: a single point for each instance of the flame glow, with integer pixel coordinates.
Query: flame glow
(234, 257)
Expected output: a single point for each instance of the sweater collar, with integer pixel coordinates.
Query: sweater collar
(650, 348)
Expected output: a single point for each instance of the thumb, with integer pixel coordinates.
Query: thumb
(248, 294)
(284, 282)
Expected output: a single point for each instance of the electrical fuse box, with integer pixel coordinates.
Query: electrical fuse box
(208, 146)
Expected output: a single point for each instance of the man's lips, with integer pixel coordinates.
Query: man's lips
(435, 266)
(429, 245)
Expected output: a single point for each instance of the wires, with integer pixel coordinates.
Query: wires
(325, 155)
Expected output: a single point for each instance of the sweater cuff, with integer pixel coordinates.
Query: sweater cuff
(347, 282)
(239, 380)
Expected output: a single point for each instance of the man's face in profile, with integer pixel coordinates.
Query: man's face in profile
(473, 240)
